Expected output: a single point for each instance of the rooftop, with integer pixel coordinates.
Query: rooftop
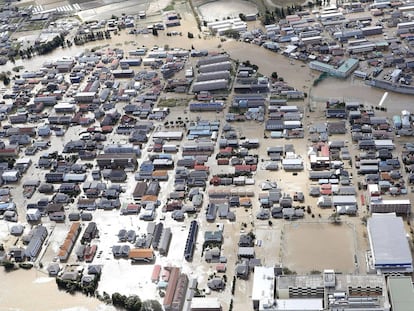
(388, 240)
(263, 283)
(401, 293)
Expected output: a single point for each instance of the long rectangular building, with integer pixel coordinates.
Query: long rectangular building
(400, 207)
(342, 71)
(226, 65)
(390, 252)
(210, 85)
(263, 286)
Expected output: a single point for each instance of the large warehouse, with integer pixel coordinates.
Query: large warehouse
(390, 251)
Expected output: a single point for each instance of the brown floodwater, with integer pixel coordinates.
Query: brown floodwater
(34, 291)
(295, 72)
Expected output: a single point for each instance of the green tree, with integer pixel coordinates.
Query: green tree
(6, 80)
(335, 218)
(133, 303)
(231, 33)
(287, 271)
(277, 12)
(233, 285)
(118, 300)
(8, 265)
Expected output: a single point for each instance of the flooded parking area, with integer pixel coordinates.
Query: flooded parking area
(316, 246)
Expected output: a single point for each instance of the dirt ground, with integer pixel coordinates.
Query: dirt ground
(222, 9)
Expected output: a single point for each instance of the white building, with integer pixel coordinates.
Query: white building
(205, 304)
(263, 292)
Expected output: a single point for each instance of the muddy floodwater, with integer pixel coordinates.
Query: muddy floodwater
(34, 291)
(315, 247)
(295, 72)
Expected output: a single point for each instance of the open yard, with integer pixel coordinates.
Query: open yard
(223, 9)
(318, 246)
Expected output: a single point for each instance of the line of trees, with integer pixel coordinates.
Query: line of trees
(128, 303)
(43, 48)
(279, 13)
(49, 46)
(92, 36)
(134, 303)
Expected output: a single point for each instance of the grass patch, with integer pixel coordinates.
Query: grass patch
(31, 26)
(169, 7)
(172, 102)
(98, 47)
(17, 68)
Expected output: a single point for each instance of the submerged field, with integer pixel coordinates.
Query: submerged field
(318, 246)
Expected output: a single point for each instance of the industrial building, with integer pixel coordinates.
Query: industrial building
(35, 245)
(225, 74)
(295, 164)
(400, 207)
(207, 106)
(220, 27)
(85, 97)
(332, 291)
(165, 241)
(390, 252)
(69, 242)
(212, 59)
(401, 293)
(342, 71)
(63, 107)
(174, 274)
(226, 65)
(263, 293)
(191, 241)
(172, 135)
(210, 85)
(205, 304)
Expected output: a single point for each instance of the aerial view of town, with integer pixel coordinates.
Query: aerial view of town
(206, 155)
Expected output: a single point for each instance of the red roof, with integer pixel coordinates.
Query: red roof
(107, 129)
(325, 151)
(201, 168)
(155, 273)
(222, 161)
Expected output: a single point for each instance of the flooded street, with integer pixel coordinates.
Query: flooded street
(296, 73)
